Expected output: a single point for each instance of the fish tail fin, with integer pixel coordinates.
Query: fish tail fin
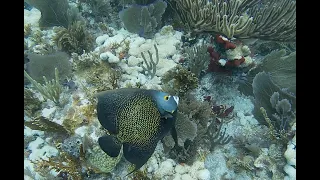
(110, 145)
(138, 155)
(135, 169)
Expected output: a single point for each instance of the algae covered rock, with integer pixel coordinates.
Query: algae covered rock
(179, 81)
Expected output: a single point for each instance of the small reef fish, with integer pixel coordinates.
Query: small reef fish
(136, 119)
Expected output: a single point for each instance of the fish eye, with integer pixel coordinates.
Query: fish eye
(166, 98)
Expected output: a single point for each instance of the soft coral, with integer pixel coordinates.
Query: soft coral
(215, 65)
(225, 42)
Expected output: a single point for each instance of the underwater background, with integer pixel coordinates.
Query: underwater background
(227, 67)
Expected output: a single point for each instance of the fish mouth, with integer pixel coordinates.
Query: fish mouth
(170, 112)
(176, 99)
(168, 116)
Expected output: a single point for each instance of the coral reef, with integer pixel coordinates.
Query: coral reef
(179, 81)
(204, 131)
(84, 61)
(50, 89)
(186, 128)
(241, 19)
(100, 77)
(74, 39)
(198, 58)
(281, 69)
(217, 137)
(43, 124)
(103, 13)
(27, 30)
(31, 102)
(290, 155)
(273, 107)
(63, 164)
(143, 20)
(229, 57)
(200, 112)
(53, 13)
(151, 67)
(44, 65)
(236, 116)
(129, 47)
(264, 48)
(75, 117)
(72, 146)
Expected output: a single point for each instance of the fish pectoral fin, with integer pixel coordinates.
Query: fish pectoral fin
(174, 135)
(138, 155)
(110, 145)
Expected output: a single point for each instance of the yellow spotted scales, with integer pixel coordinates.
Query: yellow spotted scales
(136, 120)
(136, 127)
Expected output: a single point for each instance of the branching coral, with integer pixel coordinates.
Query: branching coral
(186, 128)
(50, 89)
(62, 164)
(281, 135)
(151, 67)
(191, 126)
(217, 137)
(199, 112)
(114, 77)
(140, 175)
(43, 124)
(75, 39)
(198, 58)
(266, 162)
(274, 20)
(273, 107)
(45, 49)
(77, 159)
(37, 37)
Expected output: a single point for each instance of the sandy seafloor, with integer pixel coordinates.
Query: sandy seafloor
(227, 161)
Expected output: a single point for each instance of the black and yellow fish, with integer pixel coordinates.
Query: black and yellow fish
(136, 119)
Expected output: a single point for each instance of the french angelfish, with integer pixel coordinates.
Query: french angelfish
(137, 119)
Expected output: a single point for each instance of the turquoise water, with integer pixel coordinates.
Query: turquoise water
(224, 74)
